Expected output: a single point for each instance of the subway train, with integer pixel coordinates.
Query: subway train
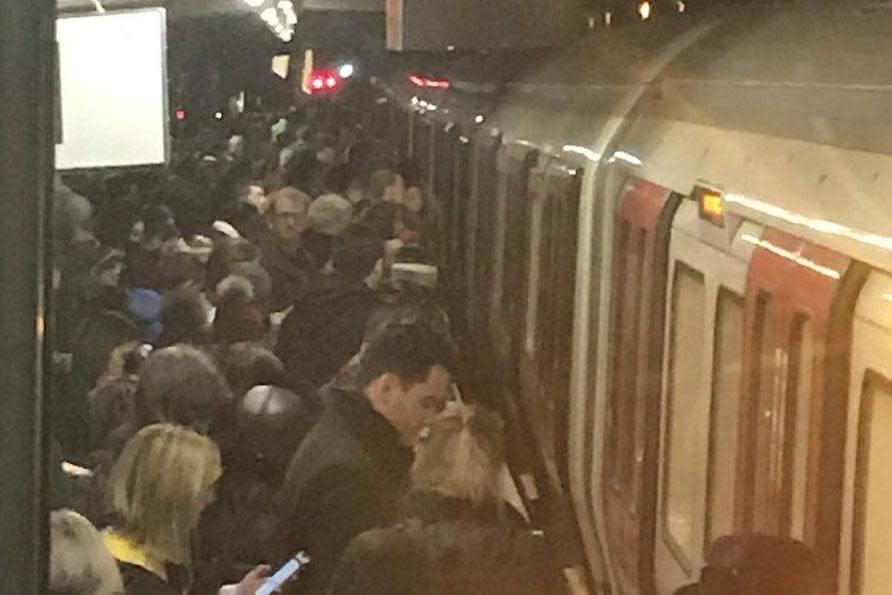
(670, 246)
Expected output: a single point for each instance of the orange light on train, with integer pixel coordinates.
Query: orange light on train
(711, 204)
(645, 9)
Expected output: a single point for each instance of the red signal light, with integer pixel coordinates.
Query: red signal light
(181, 114)
(324, 81)
(426, 82)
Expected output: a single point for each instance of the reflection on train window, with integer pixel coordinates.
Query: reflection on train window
(687, 419)
(726, 379)
(767, 397)
(872, 556)
(802, 356)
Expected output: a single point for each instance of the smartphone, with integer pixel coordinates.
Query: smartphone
(289, 569)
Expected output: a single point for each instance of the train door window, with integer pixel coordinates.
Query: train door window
(801, 374)
(685, 482)
(460, 234)
(623, 296)
(765, 383)
(538, 259)
(628, 368)
(442, 192)
(724, 415)
(517, 222)
(872, 562)
(499, 231)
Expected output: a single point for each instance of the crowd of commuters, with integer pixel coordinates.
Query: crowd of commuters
(252, 361)
(247, 370)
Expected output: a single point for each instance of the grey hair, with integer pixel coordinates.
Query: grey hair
(330, 214)
(79, 560)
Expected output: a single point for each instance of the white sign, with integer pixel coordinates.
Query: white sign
(113, 75)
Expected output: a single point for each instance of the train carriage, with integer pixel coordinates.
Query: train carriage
(673, 248)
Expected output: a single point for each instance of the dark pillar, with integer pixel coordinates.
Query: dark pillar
(26, 163)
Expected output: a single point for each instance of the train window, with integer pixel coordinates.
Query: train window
(612, 456)
(485, 185)
(517, 222)
(872, 571)
(628, 304)
(539, 246)
(766, 400)
(687, 419)
(724, 416)
(801, 374)
(498, 253)
(459, 229)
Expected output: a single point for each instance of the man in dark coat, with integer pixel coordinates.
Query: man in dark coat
(325, 327)
(281, 253)
(347, 475)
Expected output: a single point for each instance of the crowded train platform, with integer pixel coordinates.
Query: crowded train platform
(597, 300)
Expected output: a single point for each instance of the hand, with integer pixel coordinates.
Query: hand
(253, 580)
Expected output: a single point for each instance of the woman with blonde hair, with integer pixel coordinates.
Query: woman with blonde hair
(158, 487)
(459, 459)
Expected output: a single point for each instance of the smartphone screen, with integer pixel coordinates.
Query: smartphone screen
(289, 569)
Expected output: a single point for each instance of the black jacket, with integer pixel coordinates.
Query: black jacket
(289, 273)
(325, 328)
(446, 546)
(139, 581)
(345, 478)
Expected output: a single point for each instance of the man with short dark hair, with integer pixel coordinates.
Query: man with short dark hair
(347, 474)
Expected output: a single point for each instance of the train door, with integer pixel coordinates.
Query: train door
(708, 262)
(638, 303)
(484, 187)
(866, 555)
(514, 164)
(798, 321)
(545, 357)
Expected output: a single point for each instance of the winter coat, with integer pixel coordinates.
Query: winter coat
(325, 327)
(289, 273)
(446, 546)
(345, 478)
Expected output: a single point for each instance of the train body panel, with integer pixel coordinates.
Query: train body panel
(784, 114)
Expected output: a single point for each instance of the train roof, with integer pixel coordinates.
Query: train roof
(785, 106)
